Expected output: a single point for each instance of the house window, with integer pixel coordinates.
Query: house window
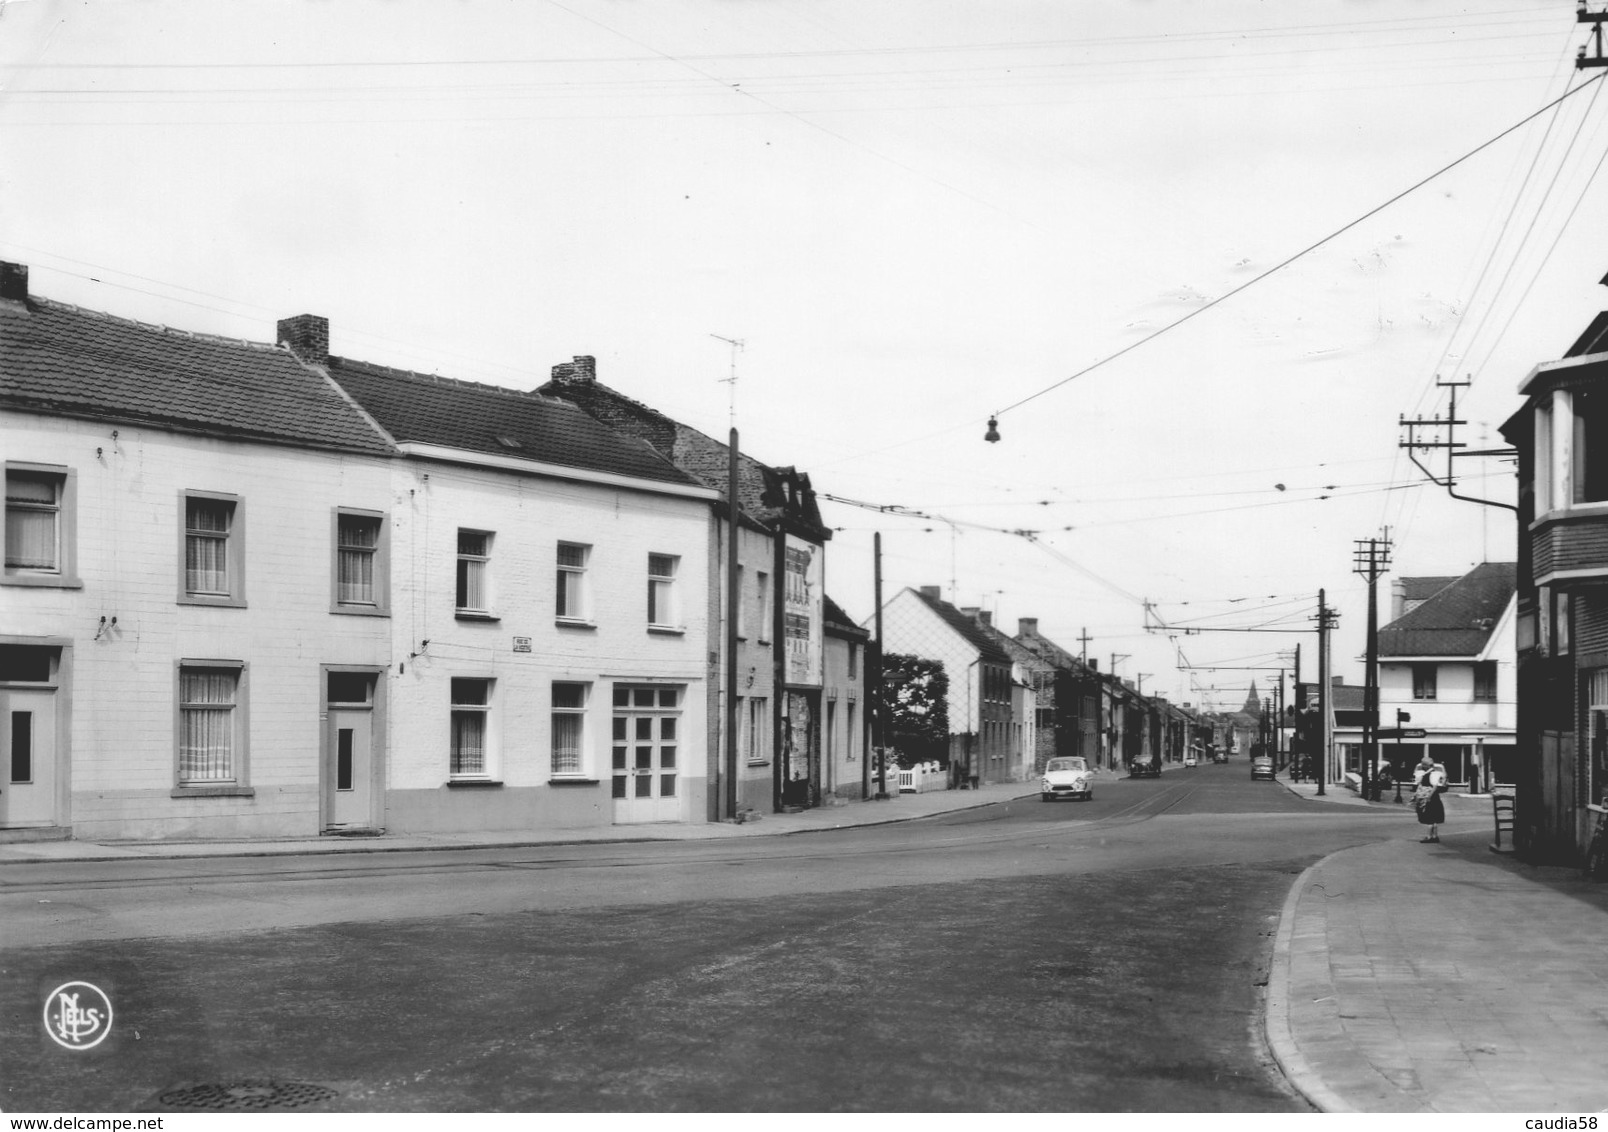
(1561, 623)
(569, 727)
(762, 584)
(662, 590)
(1543, 456)
(474, 571)
(1589, 453)
(1485, 681)
(36, 524)
(471, 706)
(360, 582)
(849, 744)
(210, 730)
(214, 551)
(742, 607)
(1544, 620)
(758, 736)
(854, 660)
(573, 600)
(1424, 681)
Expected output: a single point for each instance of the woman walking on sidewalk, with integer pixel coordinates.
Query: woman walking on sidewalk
(1429, 783)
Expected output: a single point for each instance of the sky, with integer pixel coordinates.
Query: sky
(913, 216)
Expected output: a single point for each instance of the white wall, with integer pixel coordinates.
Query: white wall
(128, 531)
(910, 626)
(529, 517)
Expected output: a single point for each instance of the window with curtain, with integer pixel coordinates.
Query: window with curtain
(208, 698)
(357, 543)
(474, 565)
(569, 723)
(758, 729)
(33, 520)
(661, 589)
(471, 701)
(572, 600)
(207, 526)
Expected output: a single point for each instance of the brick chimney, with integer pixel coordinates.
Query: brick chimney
(307, 335)
(581, 371)
(936, 593)
(14, 282)
(1398, 598)
(986, 617)
(971, 612)
(1027, 626)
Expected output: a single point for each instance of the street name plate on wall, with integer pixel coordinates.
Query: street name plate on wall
(521, 644)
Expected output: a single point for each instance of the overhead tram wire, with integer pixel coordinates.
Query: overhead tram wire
(1282, 264)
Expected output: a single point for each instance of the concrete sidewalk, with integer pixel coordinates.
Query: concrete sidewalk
(897, 808)
(1442, 978)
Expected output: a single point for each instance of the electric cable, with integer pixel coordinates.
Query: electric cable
(1298, 255)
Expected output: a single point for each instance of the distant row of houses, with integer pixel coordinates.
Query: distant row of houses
(258, 590)
(1016, 702)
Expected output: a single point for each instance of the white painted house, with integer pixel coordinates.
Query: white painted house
(1447, 663)
(253, 590)
(550, 620)
(195, 534)
(990, 707)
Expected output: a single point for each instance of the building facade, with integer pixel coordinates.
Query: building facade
(1561, 616)
(779, 654)
(987, 741)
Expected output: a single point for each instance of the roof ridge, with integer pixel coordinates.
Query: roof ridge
(160, 328)
(442, 379)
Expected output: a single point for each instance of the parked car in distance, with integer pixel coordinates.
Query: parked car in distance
(1262, 767)
(1191, 760)
(1066, 776)
(1144, 767)
(1220, 757)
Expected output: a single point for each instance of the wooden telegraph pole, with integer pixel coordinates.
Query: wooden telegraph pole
(1371, 560)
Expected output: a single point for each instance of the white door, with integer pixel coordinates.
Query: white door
(349, 751)
(646, 754)
(28, 757)
(350, 748)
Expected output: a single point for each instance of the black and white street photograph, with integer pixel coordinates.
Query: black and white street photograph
(709, 557)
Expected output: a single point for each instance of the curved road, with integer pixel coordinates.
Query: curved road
(1105, 955)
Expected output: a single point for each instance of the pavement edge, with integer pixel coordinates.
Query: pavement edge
(1276, 1008)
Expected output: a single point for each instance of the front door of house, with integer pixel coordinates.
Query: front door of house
(27, 757)
(646, 753)
(349, 751)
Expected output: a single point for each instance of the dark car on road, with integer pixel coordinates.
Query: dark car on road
(1144, 766)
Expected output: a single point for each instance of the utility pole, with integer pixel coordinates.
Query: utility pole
(1084, 641)
(1278, 725)
(736, 345)
(733, 597)
(1455, 449)
(1326, 620)
(1371, 559)
(879, 737)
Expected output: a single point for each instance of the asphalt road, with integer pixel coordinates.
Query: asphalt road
(1097, 956)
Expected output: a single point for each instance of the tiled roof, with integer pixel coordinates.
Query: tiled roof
(837, 621)
(424, 409)
(1458, 620)
(767, 495)
(974, 633)
(1422, 589)
(61, 360)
